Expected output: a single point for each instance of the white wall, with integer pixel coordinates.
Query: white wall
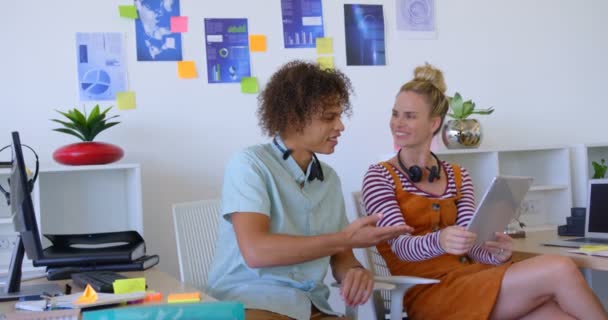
(540, 63)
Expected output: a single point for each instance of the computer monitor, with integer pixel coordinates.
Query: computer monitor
(24, 222)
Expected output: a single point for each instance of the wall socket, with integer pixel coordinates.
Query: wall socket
(531, 206)
(7, 242)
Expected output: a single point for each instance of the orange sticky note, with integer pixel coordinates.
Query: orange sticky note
(184, 297)
(89, 295)
(325, 45)
(257, 43)
(186, 69)
(179, 24)
(153, 296)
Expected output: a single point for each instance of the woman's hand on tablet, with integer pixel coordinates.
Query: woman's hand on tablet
(456, 240)
(502, 248)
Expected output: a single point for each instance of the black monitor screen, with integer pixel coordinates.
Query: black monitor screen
(24, 221)
(22, 208)
(598, 208)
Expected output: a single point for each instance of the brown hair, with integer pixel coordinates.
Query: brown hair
(429, 82)
(296, 92)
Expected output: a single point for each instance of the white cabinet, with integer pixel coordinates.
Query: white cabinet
(550, 198)
(80, 199)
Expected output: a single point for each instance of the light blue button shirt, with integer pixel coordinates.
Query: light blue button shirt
(259, 180)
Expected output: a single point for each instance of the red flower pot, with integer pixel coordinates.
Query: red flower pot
(84, 153)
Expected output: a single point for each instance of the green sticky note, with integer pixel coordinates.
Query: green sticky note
(326, 62)
(249, 85)
(128, 11)
(129, 285)
(125, 100)
(325, 46)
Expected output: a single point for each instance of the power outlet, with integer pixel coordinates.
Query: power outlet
(7, 242)
(531, 206)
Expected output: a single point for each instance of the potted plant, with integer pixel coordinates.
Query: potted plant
(599, 169)
(462, 132)
(86, 128)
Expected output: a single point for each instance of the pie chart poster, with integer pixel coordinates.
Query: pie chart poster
(227, 47)
(101, 66)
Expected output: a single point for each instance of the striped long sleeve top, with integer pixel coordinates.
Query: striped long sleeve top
(379, 196)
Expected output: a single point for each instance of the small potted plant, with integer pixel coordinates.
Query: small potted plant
(599, 169)
(462, 132)
(86, 128)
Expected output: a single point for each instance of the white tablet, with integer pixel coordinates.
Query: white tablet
(498, 206)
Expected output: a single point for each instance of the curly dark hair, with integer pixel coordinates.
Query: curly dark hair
(296, 92)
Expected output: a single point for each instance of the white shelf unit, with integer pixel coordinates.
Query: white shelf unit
(550, 197)
(583, 155)
(80, 199)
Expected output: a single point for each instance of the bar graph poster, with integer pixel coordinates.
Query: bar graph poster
(101, 65)
(154, 39)
(302, 22)
(227, 46)
(364, 27)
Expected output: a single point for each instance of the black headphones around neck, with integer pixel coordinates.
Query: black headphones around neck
(30, 182)
(316, 172)
(415, 172)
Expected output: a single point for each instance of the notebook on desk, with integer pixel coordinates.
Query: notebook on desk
(596, 220)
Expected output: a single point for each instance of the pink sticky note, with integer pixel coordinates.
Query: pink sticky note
(179, 24)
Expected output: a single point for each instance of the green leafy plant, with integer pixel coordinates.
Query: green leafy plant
(599, 170)
(85, 127)
(463, 109)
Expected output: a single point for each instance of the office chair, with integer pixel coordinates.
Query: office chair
(196, 225)
(386, 302)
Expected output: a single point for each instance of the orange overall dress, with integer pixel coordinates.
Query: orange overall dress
(467, 290)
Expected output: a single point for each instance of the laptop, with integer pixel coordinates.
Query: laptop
(498, 206)
(596, 219)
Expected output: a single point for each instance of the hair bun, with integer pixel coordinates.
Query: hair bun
(429, 73)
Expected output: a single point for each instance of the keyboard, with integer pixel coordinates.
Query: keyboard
(589, 240)
(101, 281)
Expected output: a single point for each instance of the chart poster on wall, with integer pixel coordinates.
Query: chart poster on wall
(364, 27)
(302, 22)
(227, 47)
(101, 65)
(154, 39)
(416, 18)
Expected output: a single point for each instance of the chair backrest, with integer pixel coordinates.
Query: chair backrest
(381, 299)
(196, 225)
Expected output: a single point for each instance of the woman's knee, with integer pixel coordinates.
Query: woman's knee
(562, 266)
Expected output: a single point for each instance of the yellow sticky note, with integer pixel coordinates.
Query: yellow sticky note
(326, 62)
(129, 285)
(179, 24)
(257, 43)
(593, 248)
(128, 11)
(249, 85)
(184, 297)
(125, 100)
(186, 70)
(88, 296)
(325, 46)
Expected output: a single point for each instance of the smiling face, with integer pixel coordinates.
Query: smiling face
(321, 134)
(411, 124)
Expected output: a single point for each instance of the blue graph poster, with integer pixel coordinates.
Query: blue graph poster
(302, 22)
(155, 42)
(227, 44)
(364, 27)
(101, 66)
